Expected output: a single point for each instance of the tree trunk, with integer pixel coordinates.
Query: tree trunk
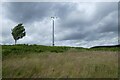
(15, 42)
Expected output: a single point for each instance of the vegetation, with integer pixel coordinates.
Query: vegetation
(25, 49)
(35, 61)
(18, 32)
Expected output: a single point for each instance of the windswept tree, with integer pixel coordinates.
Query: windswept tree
(18, 32)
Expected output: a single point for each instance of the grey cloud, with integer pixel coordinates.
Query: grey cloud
(110, 24)
(27, 12)
(75, 36)
(102, 10)
(35, 11)
(62, 9)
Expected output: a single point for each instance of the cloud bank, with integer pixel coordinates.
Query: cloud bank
(77, 24)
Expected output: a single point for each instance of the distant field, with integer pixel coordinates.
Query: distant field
(23, 61)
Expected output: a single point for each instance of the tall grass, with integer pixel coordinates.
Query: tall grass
(23, 61)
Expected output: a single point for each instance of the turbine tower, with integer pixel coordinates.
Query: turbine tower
(53, 24)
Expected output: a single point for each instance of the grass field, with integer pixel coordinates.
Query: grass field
(32, 61)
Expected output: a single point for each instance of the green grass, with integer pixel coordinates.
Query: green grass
(19, 49)
(23, 61)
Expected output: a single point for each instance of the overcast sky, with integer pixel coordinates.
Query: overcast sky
(78, 24)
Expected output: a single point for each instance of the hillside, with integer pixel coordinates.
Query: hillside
(107, 46)
(24, 48)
